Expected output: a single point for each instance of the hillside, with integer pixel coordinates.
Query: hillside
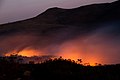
(51, 29)
(56, 18)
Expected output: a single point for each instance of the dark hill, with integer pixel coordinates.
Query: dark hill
(60, 18)
(56, 26)
(82, 15)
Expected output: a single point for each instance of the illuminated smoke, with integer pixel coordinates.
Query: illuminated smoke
(98, 46)
(101, 46)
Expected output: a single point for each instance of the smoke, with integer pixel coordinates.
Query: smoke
(100, 45)
(15, 42)
(47, 42)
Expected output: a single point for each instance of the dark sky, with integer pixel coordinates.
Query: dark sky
(12, 10)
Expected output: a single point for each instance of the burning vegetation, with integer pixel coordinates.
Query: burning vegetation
(24, 59)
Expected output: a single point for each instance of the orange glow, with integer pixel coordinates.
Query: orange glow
(92, 60)
(70, 56)
(73, 50)
(67, 53)
(26, 52)
(71, 53)
(29, 53)
(76, 56)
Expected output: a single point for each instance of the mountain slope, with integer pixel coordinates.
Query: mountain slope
(49, 31)
(57, 17)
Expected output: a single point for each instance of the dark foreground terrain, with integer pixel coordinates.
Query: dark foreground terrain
(58, 69)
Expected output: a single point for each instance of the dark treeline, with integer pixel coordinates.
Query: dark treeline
(56, 69)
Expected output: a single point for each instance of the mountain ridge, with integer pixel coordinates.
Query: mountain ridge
(85, 18)
(55, 27)
(56, 11)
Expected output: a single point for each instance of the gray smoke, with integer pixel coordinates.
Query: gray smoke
(101, 45)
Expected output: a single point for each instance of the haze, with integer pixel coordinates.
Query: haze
(14, 10)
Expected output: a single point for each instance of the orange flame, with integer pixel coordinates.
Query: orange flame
(74, 51)
(67, 51)
(26, 52)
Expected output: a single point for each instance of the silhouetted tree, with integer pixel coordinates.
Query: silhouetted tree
(15, 58)
(79, 61)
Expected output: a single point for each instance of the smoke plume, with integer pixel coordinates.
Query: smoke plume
(96, 46)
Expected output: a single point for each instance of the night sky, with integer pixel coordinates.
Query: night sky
(12, 10)
(101, 45)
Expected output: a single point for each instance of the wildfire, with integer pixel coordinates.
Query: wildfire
(71, 56)
(85, 60)
(26, 52)
(74, 52)
(69, 52)
(92, 61)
